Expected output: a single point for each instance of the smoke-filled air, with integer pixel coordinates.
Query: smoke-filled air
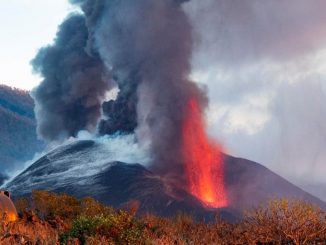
(144, 48)
(164, 122)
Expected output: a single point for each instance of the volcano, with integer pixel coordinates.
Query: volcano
(88, 168)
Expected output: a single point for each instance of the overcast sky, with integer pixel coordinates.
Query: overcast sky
(264, 63)
(265, 66)
(25, 26)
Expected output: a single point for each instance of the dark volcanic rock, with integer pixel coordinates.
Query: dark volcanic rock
(250, 184)
(89, 168)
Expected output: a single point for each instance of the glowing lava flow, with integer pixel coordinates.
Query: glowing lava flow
(203, 160)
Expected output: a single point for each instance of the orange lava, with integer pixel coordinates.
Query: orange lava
(203, 160)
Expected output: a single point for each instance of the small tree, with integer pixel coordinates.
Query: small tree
(50, 204)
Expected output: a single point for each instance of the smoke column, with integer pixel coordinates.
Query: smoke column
(147, 46)
(69, 98)
(149, 43)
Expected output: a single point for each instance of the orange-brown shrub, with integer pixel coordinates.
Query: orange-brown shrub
(90, 222)
(286, 222)
(49, 205)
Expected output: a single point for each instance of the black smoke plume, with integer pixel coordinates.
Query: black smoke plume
(121, 113)
(148, 44)
(75, 82)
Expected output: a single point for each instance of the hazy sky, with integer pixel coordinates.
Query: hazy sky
(265, 66)
(264, 63)
(25, 26)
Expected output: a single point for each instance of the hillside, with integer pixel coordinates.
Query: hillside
(18, 139)
(92, 168)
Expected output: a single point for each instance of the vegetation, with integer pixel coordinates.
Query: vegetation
(62, 219)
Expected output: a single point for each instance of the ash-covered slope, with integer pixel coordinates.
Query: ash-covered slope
(89, 168)
(250, 184)
(18, 140)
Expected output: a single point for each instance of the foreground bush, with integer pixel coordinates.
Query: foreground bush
(116, 228)
(286, 222)
(67, 220)
(49, 205)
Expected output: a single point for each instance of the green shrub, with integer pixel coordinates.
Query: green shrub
(81, 228)
(120, 227)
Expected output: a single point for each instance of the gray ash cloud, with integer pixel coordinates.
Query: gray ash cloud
(147, 47)
(69, 98)
(121, 115)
